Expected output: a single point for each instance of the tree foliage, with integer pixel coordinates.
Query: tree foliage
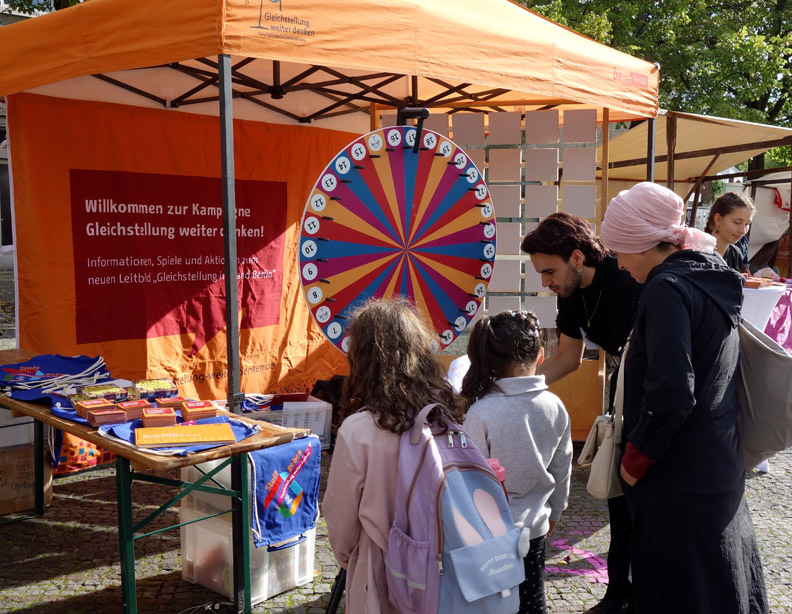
(730, 58)
(32, 7)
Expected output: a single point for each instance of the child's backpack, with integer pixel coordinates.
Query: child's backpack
(453, 544)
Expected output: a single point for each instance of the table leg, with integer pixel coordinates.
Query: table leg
(126, 535)
(240, 522)
(38, 466)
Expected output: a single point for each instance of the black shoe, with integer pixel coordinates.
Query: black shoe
(610, 606)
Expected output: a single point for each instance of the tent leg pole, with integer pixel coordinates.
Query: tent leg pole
(240, 534)
(650, 149)
(229, 230)
(789, 231)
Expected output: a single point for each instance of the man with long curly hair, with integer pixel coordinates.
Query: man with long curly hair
(597, 301)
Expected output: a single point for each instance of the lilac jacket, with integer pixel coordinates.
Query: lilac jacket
(358, 507)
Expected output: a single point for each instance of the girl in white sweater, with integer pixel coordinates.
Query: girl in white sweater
(514, 418)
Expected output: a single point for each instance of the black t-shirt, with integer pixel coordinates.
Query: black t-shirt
(734, 257)
(605, 309)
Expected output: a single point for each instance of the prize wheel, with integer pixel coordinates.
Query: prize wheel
(388, 218)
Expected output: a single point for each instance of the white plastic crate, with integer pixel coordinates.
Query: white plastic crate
(14, 431)
(311, 414)
(207, 558)
(207, 502)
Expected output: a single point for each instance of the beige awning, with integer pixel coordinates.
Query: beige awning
(704, 146)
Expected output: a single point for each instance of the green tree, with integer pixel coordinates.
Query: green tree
(30, 7)
(730, 58)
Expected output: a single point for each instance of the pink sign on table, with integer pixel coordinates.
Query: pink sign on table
(779, 324)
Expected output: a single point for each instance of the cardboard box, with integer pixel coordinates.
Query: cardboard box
(17, 480)
(14, 431)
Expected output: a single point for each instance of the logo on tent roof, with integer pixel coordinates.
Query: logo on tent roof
(261, 12)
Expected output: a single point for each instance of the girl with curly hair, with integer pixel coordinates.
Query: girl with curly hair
(393, 374)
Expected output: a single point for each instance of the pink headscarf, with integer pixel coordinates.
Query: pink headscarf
(647, 214)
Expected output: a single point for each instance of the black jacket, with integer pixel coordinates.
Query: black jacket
(680, 395)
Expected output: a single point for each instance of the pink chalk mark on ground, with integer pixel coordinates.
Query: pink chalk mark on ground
(597, 574)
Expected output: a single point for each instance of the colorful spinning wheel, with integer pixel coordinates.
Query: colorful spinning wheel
(388, 218)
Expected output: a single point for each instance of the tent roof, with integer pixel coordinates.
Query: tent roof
(333, 57)
(699, 140)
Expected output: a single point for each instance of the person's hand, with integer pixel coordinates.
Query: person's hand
(553, 524)
(630, 479)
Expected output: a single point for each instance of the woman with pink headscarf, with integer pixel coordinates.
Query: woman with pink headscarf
(693, 548)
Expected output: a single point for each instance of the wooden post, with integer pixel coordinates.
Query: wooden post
(650, 149)
(671, 135)
(694, 209)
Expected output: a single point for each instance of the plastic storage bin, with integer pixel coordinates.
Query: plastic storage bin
(207, 558)
(312, 414)
(205, 502)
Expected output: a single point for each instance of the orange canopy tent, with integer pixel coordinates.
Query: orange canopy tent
(323, 54)
(327, 64)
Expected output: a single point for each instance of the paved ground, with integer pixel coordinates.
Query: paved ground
(7, 316)
(67, 561)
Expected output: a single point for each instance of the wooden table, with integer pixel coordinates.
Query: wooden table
(130, 461)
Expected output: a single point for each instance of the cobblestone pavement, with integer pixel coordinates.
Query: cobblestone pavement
(67, 562)
(7, 316)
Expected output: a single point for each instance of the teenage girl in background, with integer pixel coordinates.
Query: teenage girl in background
(728, 221)
(514, 418)
(393, 374)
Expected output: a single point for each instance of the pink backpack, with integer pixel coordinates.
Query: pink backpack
(453, 545)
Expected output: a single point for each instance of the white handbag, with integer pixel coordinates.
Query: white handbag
(594, 440)
(603, 482)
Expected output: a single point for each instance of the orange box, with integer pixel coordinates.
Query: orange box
(158, 416)
(197, 410)
(82, 407)
(171, 401)
(186, 435)
(757, 282)
(96, 417)
(133, 409)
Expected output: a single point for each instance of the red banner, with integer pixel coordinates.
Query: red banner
(148, 254)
